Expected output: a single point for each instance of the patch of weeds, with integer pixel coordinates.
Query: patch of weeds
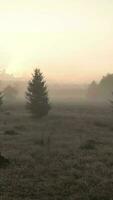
(20, 127)
(101, 124)
(7, 113)
(111, 128)
(89, 145)
(4, 162)
(11, 132)
(39, 142)
(43, 141)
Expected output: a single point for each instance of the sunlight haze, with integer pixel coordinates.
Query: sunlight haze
(70, 40)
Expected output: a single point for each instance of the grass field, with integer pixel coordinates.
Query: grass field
(65, 156)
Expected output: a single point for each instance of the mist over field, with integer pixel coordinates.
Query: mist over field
(56, 100)
(55, 139)
(66, 92)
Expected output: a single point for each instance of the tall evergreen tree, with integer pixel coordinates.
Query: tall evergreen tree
(37, 95)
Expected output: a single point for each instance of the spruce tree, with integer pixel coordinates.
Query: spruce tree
(37, 95)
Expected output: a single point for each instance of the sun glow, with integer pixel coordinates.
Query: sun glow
(14, 70)
(62, 37)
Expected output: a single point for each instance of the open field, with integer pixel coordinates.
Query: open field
(65, 156)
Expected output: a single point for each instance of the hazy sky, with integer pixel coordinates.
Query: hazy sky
(69, 39)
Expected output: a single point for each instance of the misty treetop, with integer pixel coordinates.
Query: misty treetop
(102, 90)
(37, 95)
(10, 94)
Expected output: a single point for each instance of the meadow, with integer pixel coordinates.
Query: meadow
(67, 155)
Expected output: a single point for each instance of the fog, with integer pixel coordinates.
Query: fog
(70, 41)
(64, 92)
(61, 92)
(56, 99)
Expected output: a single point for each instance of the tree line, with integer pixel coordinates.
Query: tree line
(37, 100)
(102, 90)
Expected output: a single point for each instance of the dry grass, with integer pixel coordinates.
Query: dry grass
(65, 156)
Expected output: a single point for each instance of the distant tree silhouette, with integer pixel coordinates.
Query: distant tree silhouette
(37, 95)
(1, 99)
(103, 90)
(10, 93)
(111, 101)
(105, 86)
(92, 90)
